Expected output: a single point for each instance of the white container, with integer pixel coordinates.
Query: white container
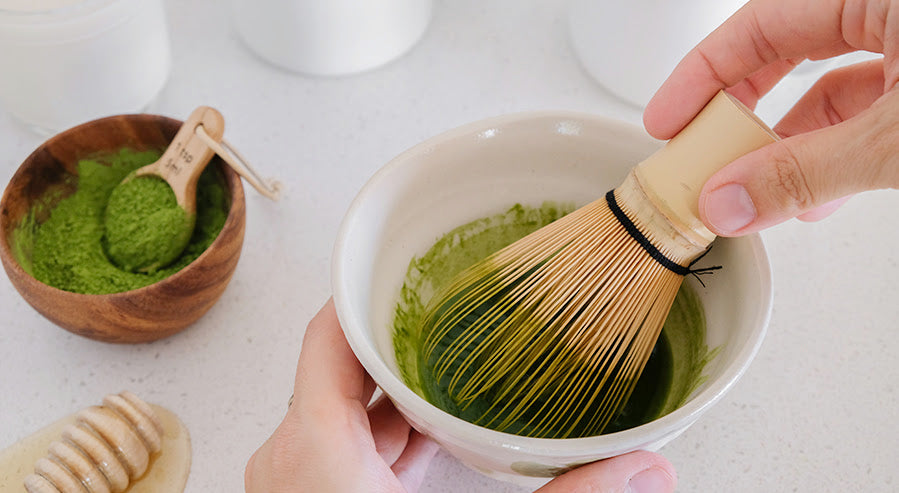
(331, 37)
(65, 62)
(631, 46)
(481, 169)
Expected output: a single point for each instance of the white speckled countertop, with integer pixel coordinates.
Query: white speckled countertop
(817, 410)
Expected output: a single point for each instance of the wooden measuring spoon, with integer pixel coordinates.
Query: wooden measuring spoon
(143, 235)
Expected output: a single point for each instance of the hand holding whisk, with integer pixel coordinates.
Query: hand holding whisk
(548, 336)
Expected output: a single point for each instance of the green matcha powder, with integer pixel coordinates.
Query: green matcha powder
(145, 227)
(61, 240)
(671, 375)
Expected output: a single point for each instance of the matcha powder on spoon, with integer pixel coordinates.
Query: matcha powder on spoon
(66, 250)
(142, 223)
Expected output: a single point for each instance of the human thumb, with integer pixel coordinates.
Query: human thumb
(636, 472)
(796, 175)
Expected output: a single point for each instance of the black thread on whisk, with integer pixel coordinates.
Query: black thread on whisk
(704, 270)
(654, 252)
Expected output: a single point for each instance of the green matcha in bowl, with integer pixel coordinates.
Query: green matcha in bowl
(673, 371)
(457, 197)
(53, 245)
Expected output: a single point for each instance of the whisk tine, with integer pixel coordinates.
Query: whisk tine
(514, 299)
(476, 285)
(517, 332)
(557, 291)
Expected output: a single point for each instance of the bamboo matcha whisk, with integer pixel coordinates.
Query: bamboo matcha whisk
(548, 336)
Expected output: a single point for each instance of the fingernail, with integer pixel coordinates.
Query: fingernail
(652, 480)
(729, 208)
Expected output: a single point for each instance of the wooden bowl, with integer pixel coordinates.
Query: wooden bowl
(141, 315)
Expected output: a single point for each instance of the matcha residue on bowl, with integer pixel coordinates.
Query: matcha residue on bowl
(673, 372)
(60, 240)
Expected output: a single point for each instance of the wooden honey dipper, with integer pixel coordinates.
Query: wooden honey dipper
(110, 448)
(106, 449)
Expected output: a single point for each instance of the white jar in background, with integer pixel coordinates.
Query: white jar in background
(331, 37)
(631, 46)
(64, 62)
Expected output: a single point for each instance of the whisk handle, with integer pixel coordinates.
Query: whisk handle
(673, 177)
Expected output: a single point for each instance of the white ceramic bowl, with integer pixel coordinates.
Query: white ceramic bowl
(481, 169)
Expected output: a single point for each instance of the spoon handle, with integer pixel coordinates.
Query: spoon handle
(187, 156)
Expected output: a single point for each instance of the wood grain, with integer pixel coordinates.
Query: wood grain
(142, 315)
